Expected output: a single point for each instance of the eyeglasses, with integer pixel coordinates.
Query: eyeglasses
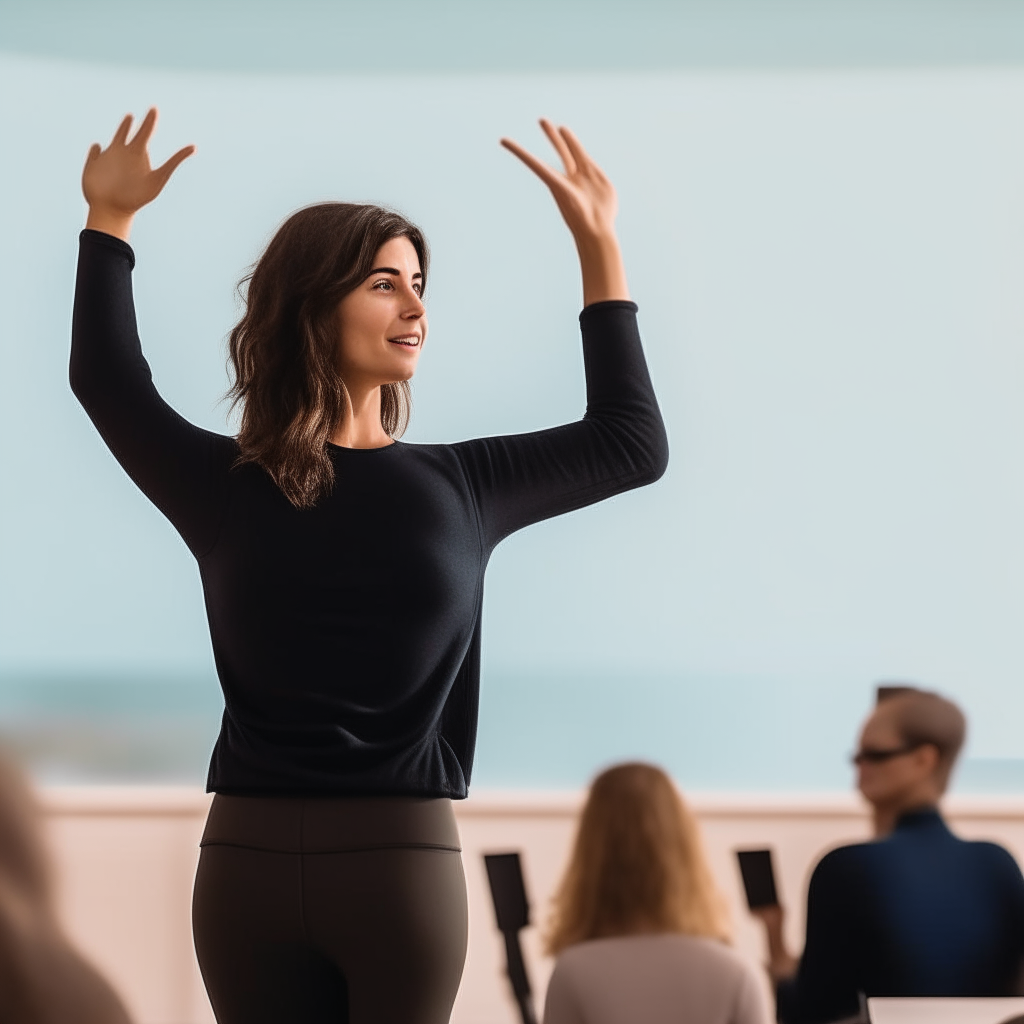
(869, 756)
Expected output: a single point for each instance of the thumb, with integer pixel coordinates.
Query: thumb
(169, 166)
(90, 158)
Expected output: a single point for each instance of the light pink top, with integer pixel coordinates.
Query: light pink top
(654, 979)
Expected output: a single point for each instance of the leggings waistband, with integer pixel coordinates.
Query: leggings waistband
(331, 825)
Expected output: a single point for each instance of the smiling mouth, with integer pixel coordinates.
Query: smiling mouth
(409, 341)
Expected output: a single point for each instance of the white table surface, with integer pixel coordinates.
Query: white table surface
(944, 1011)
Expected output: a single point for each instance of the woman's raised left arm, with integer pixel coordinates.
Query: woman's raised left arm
(588, 203)
(620, 442)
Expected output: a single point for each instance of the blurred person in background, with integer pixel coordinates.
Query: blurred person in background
(43, 978)
(640, 930)
(343, 573)
(916, 912)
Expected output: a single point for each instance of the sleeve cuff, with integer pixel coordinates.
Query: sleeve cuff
(119, 246)
(597, 308)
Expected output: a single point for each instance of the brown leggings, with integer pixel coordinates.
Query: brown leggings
(350, 911)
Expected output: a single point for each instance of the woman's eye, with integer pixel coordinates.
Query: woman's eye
(383, 285)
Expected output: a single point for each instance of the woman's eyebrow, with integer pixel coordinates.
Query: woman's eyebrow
(391, 270)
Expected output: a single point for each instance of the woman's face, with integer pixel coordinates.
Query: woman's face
(383, 323)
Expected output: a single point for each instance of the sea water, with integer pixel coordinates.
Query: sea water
(536, 732)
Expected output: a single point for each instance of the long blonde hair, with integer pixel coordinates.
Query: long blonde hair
(638, 865)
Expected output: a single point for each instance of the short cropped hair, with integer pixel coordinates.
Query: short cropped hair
(922, 716)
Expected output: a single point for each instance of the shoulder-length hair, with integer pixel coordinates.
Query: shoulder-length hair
(284, 350)
(638, 865)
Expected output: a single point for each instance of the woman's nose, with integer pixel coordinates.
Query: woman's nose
(414, 308)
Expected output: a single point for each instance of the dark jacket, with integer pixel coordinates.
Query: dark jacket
(918, 913)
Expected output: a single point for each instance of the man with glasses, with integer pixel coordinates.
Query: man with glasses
(916, 912)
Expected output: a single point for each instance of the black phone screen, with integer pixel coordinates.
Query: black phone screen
(758, 877)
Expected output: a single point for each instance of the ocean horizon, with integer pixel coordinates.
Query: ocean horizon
(160, 729)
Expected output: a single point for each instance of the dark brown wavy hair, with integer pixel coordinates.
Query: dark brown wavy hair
(284, 350)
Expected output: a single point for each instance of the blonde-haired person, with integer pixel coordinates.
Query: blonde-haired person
(639, 928)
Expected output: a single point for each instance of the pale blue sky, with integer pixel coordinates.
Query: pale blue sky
(828, 259)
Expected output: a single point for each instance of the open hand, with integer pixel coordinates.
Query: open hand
(587, 201)
(585, 196)
(118, 181)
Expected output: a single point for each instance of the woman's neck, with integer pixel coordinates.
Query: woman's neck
(360, 425)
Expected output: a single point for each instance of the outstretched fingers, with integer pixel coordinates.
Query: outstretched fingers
(555, 137)
(170, 165)
(122, 130)
(575, 159)
(146, 129)
(583, 159)
(548, 175)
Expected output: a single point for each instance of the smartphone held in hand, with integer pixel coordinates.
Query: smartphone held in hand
(758, 878)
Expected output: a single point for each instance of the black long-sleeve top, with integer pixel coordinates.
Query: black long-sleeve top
(347, 636)
(919, 913)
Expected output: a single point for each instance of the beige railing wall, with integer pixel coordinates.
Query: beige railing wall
(126, 856)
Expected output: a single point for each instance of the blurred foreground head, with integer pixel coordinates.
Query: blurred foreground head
(24, 864)
(43, 978)
(908, 747)
(638, 865)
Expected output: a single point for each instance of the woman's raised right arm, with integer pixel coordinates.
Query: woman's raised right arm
(118, 181)
(181, 468)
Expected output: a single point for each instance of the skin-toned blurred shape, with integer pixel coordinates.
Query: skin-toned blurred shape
(908, 748)
(918, 912)
(639, 926)
(43, 979)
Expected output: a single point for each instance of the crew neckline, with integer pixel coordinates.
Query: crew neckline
(381, 448)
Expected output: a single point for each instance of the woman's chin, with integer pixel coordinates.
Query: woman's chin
(402, 374)
(394, 372)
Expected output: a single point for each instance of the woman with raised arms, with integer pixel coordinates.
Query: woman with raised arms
(343, 576)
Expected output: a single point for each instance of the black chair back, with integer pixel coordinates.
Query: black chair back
(512, 913)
